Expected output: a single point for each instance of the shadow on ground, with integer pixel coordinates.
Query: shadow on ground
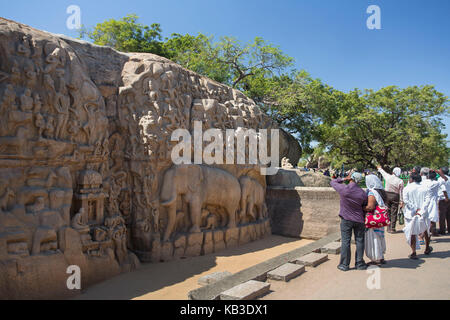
(143, 281)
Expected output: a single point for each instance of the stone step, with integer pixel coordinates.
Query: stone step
(286, 272)
(332, 248)
(312, 259)
(213, 277)
(249, 290)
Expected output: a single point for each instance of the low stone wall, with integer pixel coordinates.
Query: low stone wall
(305, 212)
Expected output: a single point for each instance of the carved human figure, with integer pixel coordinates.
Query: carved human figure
(50, 128)
(39, 205)
(26, 101)
(37, 102)
(9, 99)
(4, 199)
(52, 60)
(24, 46)
(79, 221)
(73, 128)
(120, 243)
(89, 127)
(62, 106)
(30, 73)
(49, 86)
(39, 122)
(15, 72)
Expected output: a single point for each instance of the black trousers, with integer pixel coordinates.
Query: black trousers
(393, 201)
(444, 216)
(346, 235)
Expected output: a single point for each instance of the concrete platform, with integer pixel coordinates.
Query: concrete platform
(331, 248)
(286, 272)
(246, 291)
(312, 260)
(213, 277)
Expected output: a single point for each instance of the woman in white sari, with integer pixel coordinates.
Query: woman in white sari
(375, 242)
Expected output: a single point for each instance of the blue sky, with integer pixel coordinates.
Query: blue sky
(327, 38)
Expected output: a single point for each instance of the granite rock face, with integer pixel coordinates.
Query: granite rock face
(86, 176)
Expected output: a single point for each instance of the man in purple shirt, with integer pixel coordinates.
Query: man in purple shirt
(353, 199)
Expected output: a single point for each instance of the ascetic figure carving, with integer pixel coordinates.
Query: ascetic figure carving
(200, 185)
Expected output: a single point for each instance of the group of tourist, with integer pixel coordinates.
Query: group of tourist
(424, 201)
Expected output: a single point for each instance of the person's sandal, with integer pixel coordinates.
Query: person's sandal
(430, 250)
(413, 256)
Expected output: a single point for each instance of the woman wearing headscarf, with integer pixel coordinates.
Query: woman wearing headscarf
(375, 243)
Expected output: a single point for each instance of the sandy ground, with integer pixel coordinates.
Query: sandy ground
(174, 279)
(401, 278)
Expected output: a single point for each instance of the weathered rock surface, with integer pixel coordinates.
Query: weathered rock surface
(332, 248)
(291, 178)
(246, 291)
(86, 175)
(213, 277)
(312, 259)
(286, 272)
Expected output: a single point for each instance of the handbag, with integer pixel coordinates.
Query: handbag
(400, 217)
(378, 218)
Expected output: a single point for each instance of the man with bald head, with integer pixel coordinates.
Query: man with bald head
(394, 193)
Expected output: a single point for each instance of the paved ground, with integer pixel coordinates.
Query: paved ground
(401, 278)
(174, 279)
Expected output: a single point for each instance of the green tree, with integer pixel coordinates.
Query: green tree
(298, 103)
(256, 59)
(197, 53)
(127, 35)
(391, 126)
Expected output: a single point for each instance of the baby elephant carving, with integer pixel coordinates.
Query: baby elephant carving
(252, 196)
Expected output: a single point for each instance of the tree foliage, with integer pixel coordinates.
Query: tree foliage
(360, 128)
(127, 35)
(391, 126)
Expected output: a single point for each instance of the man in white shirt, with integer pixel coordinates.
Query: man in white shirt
(416, 214)
(432, 187)
(394, 193)
(444, 203)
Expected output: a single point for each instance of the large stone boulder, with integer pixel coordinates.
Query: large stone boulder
(86, 169)
(291, 178)
(289, 148)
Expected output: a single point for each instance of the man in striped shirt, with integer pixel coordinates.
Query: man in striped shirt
(394, 192)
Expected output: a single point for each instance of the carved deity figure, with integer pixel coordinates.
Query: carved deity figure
(39, 122)
(79, 222)
(26, 101)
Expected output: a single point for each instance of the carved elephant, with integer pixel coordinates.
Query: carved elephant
(200, 186)
(252, 195)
